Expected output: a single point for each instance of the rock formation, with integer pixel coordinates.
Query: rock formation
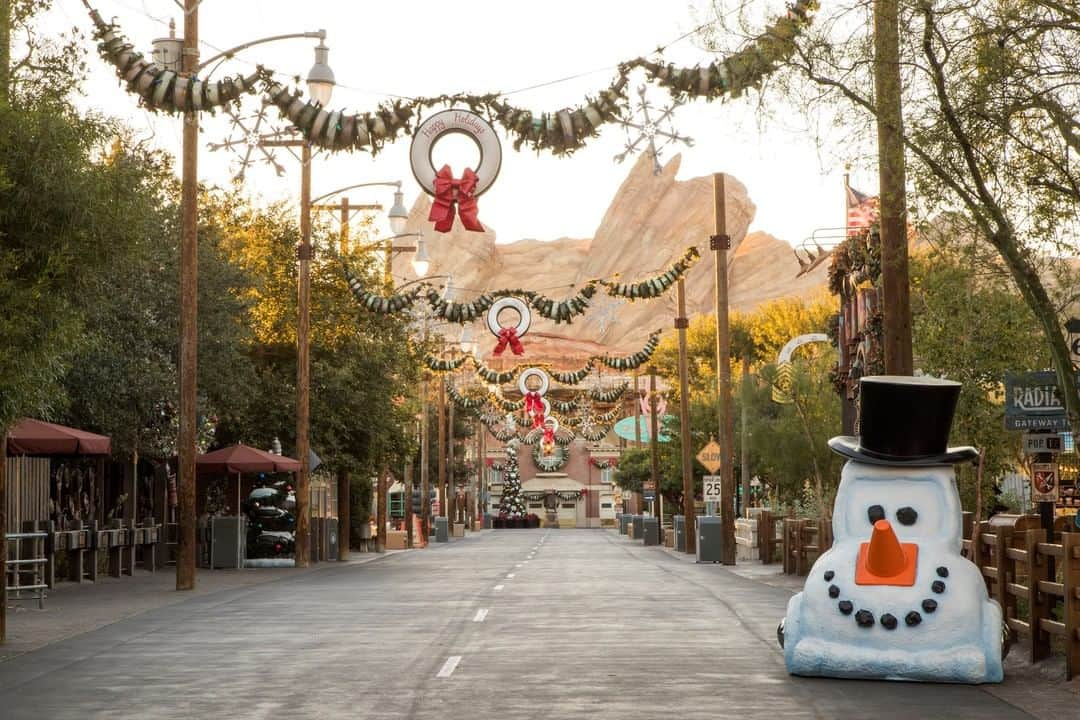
(650, 222)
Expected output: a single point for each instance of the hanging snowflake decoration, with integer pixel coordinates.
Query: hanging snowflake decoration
(254, 140)
(606, 311)
(654, 130)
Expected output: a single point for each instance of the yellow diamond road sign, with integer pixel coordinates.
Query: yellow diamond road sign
(710, 456)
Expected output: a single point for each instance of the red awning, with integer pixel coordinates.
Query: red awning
(34, 437)
(244, 459)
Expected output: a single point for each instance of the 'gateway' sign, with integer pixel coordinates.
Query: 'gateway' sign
(1032, 402)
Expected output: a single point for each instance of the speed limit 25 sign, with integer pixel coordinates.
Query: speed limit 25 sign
(711, 488)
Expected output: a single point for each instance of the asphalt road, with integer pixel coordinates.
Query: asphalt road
(510, 624)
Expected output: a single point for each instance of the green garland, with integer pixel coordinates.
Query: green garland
(507, 405)
(441, 365)
(561, 132)
(632, 362)
(551, 463)
(560, 311)
(162, 90)
(596, 434)
(609, 396)
(567, 406)
(465, 403)
(576, 376)
(657, 285)
(382, 304)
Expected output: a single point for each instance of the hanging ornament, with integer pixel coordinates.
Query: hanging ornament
(509, 335)
(654, 131)
(455, 194)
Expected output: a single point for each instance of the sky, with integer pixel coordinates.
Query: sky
(426, 47)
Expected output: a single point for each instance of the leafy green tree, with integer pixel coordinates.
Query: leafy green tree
(990, 128)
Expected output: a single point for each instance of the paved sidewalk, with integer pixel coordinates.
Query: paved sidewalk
(1040, 689)
(73, 609)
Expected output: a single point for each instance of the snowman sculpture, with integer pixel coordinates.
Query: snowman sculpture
(893, 598)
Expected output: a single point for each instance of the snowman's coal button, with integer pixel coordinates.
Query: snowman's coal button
(913, 618)
(938, 587)
(864, 618)
(845, 606)
(834, 592)
(929, 605)
(889, 621)
(875, 513)
(829, 575)
(943, 572)
(907, 515)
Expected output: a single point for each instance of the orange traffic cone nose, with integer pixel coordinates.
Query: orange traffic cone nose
(885, 557)
(884, 560)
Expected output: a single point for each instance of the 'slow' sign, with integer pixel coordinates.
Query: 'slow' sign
(1032, 402)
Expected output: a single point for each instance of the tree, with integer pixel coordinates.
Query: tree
(971, 327)
(512, 504)
(990, 113)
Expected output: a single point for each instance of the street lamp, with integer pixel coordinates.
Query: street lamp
(320, 79)
(421, 262)
(467, 342)
(399, 216)
(183, 56)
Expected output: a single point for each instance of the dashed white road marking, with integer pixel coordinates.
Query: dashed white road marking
(480, 615)
(498, 588)
(510, 576)
(449, 666)
(518, 565)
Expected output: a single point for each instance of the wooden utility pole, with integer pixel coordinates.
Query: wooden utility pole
(654, 436)
(407, 502)
(382, 489)
(892, 173)
(681, 323)
(744, 441)
(720, 243)
(189, 311)
(303, 364)
(425, 460)
(5, 74)
(637, 411)
(441, 459)
(344, 512)
(451, 489)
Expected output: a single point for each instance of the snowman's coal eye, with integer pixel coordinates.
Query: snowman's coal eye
(875, 513)
(907, 515)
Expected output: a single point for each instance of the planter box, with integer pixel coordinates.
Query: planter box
(459, 530)
(396, 540)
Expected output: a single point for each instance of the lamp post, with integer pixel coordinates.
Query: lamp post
(184, 55)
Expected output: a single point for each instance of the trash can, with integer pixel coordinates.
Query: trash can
(442, 529)
(637, 525)
(651, 530)
(678, 526)
(710, 541)
(624, 523)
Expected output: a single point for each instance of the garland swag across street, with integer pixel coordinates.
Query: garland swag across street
(626, 362)
(559, 311)
(560, 132)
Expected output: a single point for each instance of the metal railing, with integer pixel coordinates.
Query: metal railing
(29, 550)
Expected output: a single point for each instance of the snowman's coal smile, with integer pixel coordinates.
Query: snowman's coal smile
(865, 618)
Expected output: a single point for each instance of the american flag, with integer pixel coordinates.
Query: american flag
(862, 210)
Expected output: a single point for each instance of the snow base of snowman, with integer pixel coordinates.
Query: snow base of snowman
(942, 628)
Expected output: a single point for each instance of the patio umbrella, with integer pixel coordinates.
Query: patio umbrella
(625, 428)
(35, 437)
(241, 459)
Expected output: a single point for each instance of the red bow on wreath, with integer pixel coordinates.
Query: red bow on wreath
(450, 192)
(508, 336)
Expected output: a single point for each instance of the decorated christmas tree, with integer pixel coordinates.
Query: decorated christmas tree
(512, 504)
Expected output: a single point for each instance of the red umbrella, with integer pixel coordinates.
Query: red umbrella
(34, 437)
(244, 459)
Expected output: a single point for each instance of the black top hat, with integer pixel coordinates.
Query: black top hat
(904, 421)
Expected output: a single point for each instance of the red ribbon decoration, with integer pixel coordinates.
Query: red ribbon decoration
(534, 404)
(450, 192)
(549, 436)
(508, 336)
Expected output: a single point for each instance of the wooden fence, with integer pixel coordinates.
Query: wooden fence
(1021, 565)
(802, 541)
(27, 491)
